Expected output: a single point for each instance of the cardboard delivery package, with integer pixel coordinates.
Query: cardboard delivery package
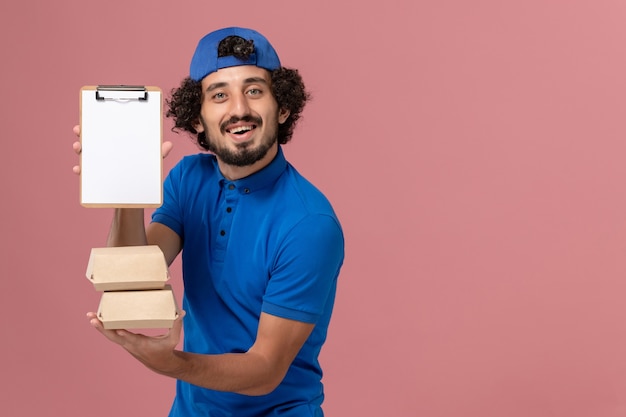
(127, 268)
(142, 309)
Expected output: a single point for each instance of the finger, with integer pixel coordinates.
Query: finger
(95, 321)
(77, 149)
(166, 148)
(178, 323)
(76, 130)
(117, 336)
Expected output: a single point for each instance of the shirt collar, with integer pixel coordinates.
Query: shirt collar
(263, 178)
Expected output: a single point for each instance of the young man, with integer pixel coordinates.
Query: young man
(261, 246)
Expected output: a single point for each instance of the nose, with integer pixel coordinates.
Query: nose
(239, 105)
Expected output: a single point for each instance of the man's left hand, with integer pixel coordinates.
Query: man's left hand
(155, 352)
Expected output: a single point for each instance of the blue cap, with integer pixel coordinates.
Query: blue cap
(205, 59)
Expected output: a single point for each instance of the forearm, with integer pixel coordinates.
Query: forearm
(257, 372)
(128, 228)
(243, 373)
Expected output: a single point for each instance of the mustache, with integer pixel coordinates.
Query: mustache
(248, 119)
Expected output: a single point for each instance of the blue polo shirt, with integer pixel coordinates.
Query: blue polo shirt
(268, 243)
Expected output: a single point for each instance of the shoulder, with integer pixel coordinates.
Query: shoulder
(306, 215)
(302, 192)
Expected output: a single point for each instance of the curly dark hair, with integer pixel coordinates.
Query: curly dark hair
(287, 88)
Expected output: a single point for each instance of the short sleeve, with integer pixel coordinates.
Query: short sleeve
(305, 271)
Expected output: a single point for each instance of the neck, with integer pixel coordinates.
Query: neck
(233, 173)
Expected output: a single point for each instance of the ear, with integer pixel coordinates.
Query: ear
(198, 126)
(283, 114)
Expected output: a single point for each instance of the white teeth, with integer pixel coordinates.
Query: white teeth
(241, 129)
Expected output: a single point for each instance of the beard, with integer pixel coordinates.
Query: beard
(246, 153)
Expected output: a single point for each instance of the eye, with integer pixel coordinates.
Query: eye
(219, 97)
(254, 91)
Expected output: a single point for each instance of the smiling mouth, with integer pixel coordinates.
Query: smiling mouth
(240, 126)
(241, 130)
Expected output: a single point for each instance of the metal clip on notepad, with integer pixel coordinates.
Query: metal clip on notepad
(121, 93)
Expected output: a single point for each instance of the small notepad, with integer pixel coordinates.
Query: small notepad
(121, 137)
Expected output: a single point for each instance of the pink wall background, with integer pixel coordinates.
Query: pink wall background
(474, 151)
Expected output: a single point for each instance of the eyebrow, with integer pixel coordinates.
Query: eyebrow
(251, 80)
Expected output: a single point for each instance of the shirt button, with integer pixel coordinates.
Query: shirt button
(228, 209)
(231, 187)
(246, 190)
(223, 232)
